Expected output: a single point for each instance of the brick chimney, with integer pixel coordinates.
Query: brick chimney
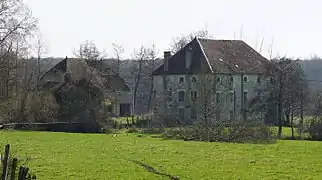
(166, 56)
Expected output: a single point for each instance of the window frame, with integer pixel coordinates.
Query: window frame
(218, 95)
(193, 96)
(193, 113)
(259, 80)
(181, 80)
(193, 79)
(245, 79)
(183, 95)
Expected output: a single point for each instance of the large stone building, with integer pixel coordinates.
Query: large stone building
(209, 77)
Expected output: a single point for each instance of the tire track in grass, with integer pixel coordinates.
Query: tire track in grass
(152, 170)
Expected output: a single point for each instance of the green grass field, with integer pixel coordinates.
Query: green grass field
(102, 156)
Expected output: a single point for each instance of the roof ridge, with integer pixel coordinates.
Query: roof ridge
(201, 38)
(203, 52)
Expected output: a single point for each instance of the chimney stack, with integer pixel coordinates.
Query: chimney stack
(166, 56)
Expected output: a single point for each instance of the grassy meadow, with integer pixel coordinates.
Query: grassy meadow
(106, 156)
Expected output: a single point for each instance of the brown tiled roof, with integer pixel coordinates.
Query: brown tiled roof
(112, 80)
(115, 82)
(176, 64)
(76, 69)
(233, 56)
(223, 56)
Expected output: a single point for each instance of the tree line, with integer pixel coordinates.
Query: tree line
(288, 92)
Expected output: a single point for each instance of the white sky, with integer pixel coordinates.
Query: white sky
(294, 25)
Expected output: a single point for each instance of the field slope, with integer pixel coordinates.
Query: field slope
(102, 156)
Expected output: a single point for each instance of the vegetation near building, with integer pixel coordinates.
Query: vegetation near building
(225, 72)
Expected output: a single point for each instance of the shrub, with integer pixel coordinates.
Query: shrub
(239, 131)
(250, 132)
(152, 130)
(315, 129)
(132, 130)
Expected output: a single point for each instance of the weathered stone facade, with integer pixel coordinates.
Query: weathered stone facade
(199, 78)
(226, 96)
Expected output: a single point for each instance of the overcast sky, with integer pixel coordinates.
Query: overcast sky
(294, 26)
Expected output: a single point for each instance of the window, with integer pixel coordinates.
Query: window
(231, 113)
(218, 79)
(169, 98)
(193, 79)
(245, 97)
(245, 79)
(2, 89)
(181, 114)
(181, 80)
(258, 79)
(181, 96)
(193, 96)
(232, 96)
(193, 113)
(231, 79)
(217, 97)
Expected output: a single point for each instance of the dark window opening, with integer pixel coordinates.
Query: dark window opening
(181, 96)
(218, 79)
(193, 113)
(217, 97)
(194, 79)
(231, 115)
(258, 79)
(245, 97)
(232, 96)
(181, 80)
(232, 78)
(181, 114)
(193, 96)
(245, 79)
(125, 110)
(169, 95)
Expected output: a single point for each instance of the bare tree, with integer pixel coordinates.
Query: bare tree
(88, 51)
(118, 53)
(40, 50)
(285, 90)
(206, 107)
(140, 56)
(180, 42)
(17, 25)
(152, 57)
